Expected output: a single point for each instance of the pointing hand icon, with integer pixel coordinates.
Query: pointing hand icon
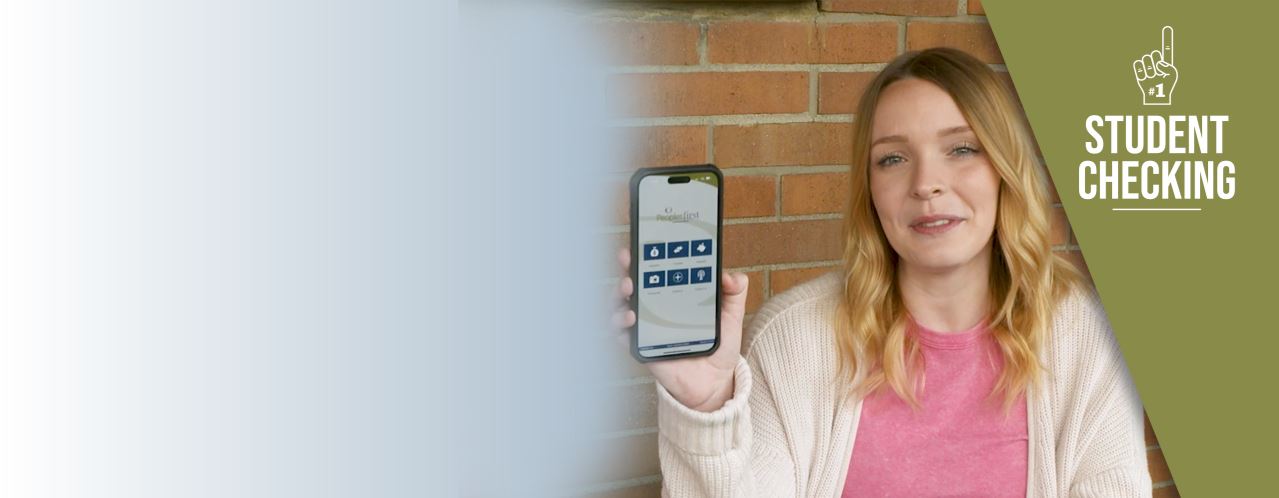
(1156, 74)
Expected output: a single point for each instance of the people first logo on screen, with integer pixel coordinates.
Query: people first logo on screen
(1153, 158)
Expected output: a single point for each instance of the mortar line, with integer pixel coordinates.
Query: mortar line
(812, 92)
(800, 265)
(702, 33)
(730, 119)
(902, 26)
(777, 200)
(738, 67)
(768, 67)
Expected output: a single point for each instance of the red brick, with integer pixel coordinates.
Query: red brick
(703, 94)
(975, 8)
(1150, 432)
(1076, 258)
(1059, 232)
(754, 291)
(894, 7)
(859, 42)
(783, 144)
(974, 38)
(781, 280)
(1053, 196)
(1158, 466)
(789, 42)
(744, 197)
(814, 193)
(838, 93)
(664, 145)
(751, 244)
(761, 42)
(644, 43)
(748, 196)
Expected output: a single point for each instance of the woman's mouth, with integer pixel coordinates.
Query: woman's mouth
(931, 225)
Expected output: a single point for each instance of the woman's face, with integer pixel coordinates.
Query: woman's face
(931, 182)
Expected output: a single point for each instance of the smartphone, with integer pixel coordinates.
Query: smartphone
(676, 224)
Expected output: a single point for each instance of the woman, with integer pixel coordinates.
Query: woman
(952, 354)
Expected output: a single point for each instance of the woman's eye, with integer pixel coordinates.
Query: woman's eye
(890, 160)
(964, 150)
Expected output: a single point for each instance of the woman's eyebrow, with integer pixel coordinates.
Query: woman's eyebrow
(887, 139)
(902, 138)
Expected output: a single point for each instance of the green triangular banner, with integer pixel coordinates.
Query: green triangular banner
(1188, 281)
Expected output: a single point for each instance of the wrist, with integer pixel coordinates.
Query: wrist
(717, 399)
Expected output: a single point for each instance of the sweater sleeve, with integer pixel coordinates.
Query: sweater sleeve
(1113, 449)
(731, 452)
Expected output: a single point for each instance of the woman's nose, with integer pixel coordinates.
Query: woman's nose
(928, 181)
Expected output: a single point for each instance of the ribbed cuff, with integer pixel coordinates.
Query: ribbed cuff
(708, 433)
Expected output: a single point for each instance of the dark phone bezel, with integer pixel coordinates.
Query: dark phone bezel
(635, 254)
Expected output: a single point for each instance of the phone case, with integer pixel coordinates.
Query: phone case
(635, 254)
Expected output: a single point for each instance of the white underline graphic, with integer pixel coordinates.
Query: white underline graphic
(1156, 209)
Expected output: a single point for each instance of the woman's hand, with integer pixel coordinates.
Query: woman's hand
(703, 383)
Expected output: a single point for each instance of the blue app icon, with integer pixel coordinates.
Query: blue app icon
(677, 277)
(701, 275)
(677, 249)
(701, 247)
(654, 279)
(654, 251)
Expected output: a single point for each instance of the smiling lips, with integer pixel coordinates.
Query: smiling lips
(935, 224)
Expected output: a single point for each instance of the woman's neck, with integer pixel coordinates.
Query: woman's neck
(948, 300)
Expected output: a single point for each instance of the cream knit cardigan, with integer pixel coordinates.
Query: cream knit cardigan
(783, 434)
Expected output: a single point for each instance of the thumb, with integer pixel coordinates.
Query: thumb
(1167, 69)
(736, 287)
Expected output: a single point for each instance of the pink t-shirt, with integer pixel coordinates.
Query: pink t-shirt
(958, 444)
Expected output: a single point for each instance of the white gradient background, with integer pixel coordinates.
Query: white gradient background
(294, 249)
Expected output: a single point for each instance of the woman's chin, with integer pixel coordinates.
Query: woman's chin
(938, 262)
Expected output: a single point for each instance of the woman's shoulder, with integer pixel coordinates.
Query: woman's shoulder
(1082, 338)
(803, 311)
(1079, 302)
(1080, 316)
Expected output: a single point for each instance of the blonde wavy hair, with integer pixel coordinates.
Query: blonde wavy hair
(1026, 279)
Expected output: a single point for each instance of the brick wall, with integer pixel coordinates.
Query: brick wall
(766, 92)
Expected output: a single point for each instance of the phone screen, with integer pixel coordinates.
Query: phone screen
(678, 271)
